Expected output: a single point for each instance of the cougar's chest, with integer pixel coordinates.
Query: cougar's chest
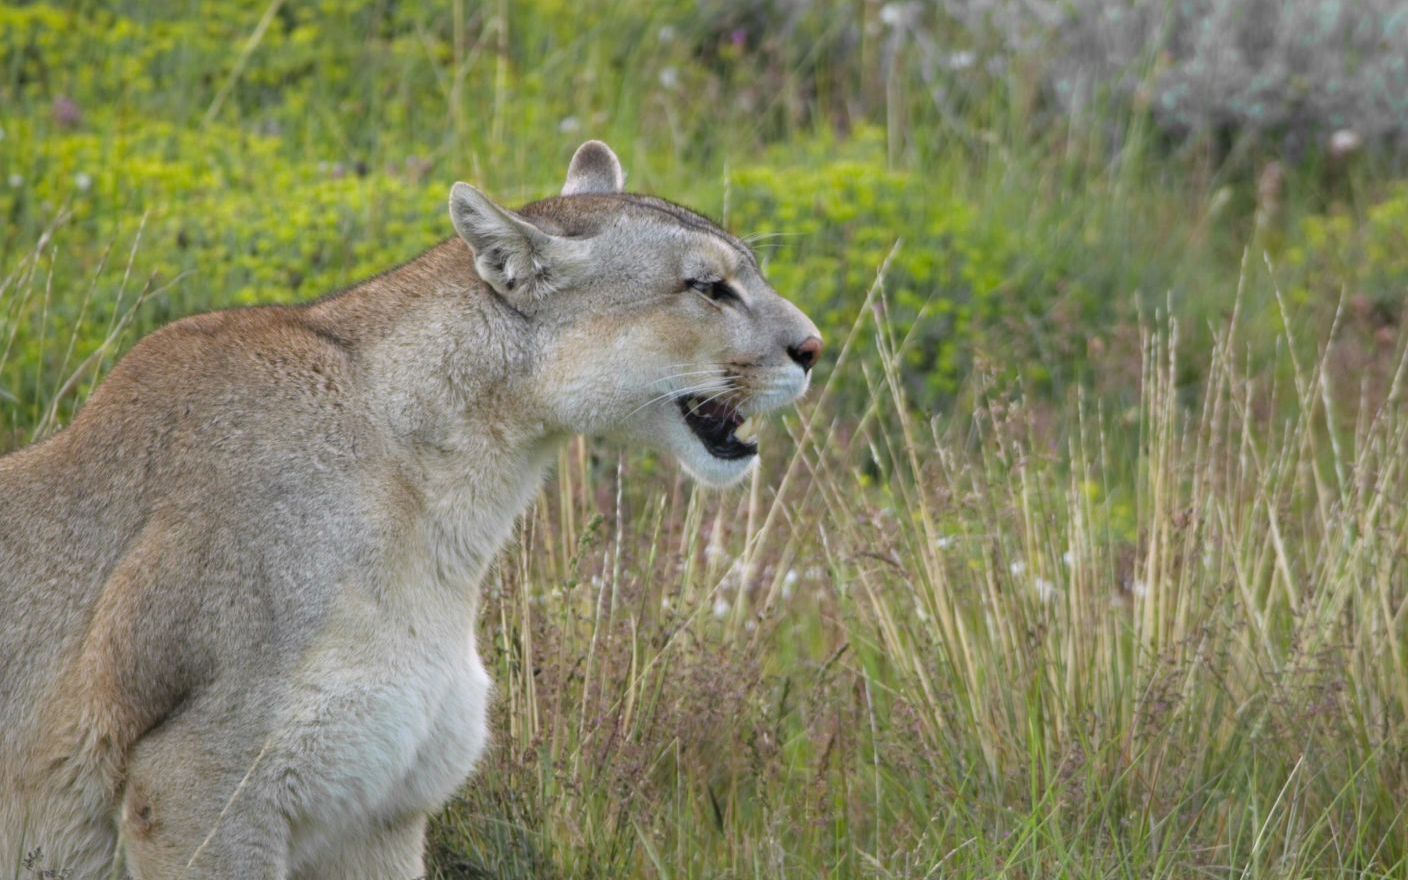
(390, 727)
(447, 733)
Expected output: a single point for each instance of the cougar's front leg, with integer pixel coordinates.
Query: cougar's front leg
(390, 852)
(196, 807)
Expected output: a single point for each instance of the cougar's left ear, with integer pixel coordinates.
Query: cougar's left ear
(594, 169)
(517, 258)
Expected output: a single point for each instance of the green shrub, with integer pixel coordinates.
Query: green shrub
(1367, 257)
(836, 223)
(1010, 280)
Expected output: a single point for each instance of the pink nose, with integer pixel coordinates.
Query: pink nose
(806, 354)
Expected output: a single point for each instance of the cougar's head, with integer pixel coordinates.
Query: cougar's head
(655, 326)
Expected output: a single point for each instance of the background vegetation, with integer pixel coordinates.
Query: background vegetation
(1088, 560)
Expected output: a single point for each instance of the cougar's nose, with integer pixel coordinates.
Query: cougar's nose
(806, 353)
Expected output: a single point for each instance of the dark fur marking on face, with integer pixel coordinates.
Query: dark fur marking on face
(563, 219)
(693, 220)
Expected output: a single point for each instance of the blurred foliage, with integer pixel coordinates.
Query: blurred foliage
(1366, 258)
(282, 195)
(271, 151)
(275, 152)
(837, 220)
(1292, 73)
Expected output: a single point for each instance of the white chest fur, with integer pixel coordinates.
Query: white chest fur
(386, 728)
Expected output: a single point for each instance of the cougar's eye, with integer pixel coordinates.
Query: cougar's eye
(718, 291)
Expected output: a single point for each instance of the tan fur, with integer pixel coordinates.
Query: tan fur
(238, 593)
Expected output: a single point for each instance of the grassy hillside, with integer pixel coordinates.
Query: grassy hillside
(1086, 559)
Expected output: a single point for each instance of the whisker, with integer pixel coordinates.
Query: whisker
(711, 398)
(701, 388)
(690, 364)
(688, 373)
(713, 389)
(697, 372)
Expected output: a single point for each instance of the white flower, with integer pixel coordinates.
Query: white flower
(665, 604)
(898, 14)
(1069, 558)
(733, 578)
(83, 180)
(944, 542)
(666, 34)
(670, 78)
(1139, 588)
(721, 607)
(1017, 568)
(961, 60)
(789, 582)
(569, 125)
(16, 181)
(1045, 589)
(1344, 142)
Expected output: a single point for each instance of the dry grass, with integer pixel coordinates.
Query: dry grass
(1165, 642)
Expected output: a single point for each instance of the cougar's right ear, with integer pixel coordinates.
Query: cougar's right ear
(594, 170)
(516, 258)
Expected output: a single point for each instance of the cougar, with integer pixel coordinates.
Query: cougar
(238, 593)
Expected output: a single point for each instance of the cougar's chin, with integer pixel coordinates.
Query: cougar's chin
(704, 440)
(711, 470)
(705, 443)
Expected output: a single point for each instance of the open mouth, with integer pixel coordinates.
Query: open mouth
(715, 422)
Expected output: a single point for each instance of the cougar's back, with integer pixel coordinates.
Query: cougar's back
(189, 450)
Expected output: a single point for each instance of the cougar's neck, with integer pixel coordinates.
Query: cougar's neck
(441, 358)
(446, 367)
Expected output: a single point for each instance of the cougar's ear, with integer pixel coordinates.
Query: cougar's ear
(516, 258)
(594, 169)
